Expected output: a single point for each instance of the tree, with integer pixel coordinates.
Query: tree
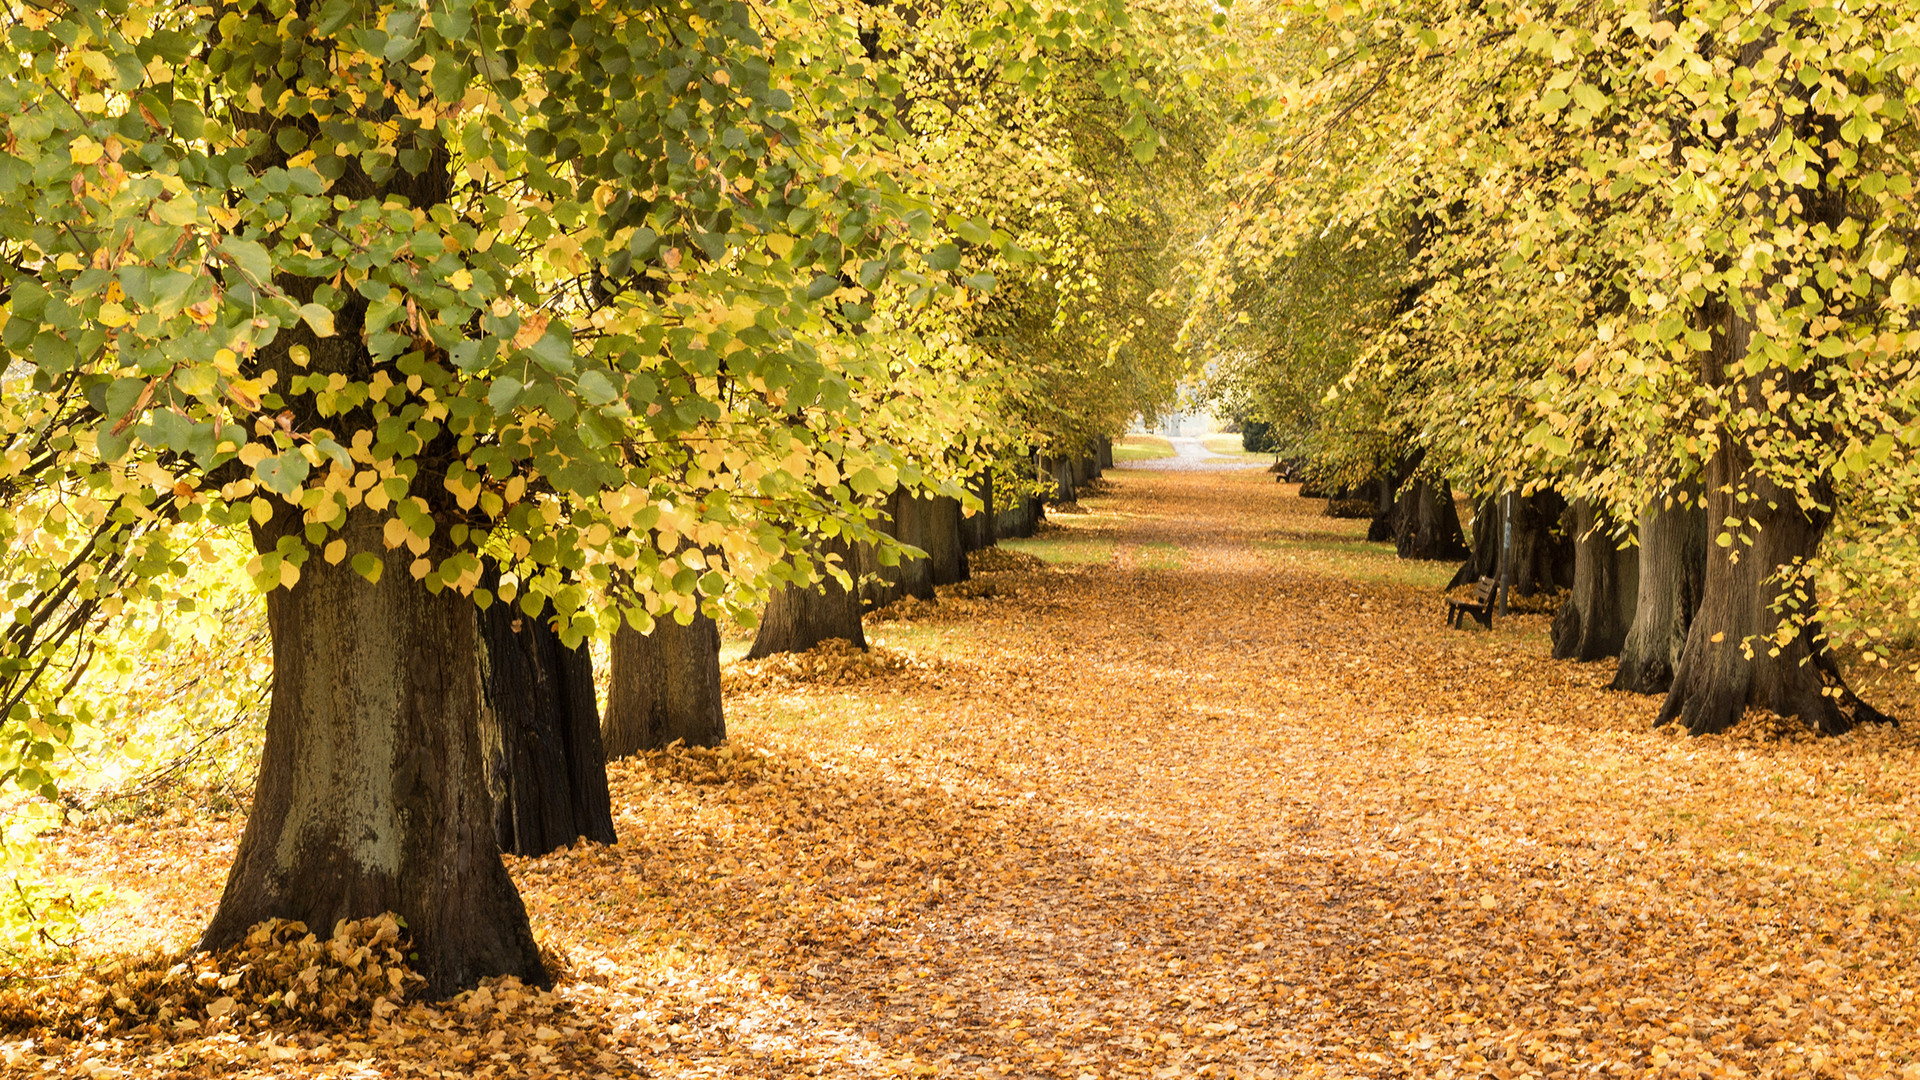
(805, 614)
(1593, 622)
(665, 687)
(1673, 562)
(401, 289)
(1667, 244)
(540, 735)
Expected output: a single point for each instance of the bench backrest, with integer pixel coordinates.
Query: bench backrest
(1484, 589)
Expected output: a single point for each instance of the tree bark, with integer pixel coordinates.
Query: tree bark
(1594, 620)
(1060, 471)
(1019, 520)
(976, 529)
(372, 794)
(540, 729)
(1381, 528)
(1542, 549)
(665, 685)
(800, 617)
(1734, 657)
(1425, 523)
(1673, 566)
(1105, 452)
(881, 585)
(937, 531)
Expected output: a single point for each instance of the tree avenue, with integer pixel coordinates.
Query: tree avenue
(1665, 257)
(609, 314)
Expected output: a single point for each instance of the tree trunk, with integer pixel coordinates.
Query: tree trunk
(1060, 471)
(1081, 473)
(912, 575)
(1748, 585)
(1594, 621)
(1673, 566)
(1425, 523)
(1105, 452)
(1484, 561)
(937, 531)
(665, 685)
(546, 770)
(1019, 520)
(1381, 528)
(800, 617)
(1542, 548)
(372, 792)
(976, 529)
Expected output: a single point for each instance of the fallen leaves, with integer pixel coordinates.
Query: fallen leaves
(1237, 815)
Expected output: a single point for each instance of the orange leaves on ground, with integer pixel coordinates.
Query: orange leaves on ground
(1232, 802)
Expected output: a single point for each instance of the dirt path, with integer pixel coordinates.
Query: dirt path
(1190, 455)
(1225, 798)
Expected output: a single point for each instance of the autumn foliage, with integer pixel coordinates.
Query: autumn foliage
(1228, 800)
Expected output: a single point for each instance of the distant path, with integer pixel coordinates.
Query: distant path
(1192, 455)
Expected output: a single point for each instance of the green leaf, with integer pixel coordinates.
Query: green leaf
(368, 565)
(318, 318)
(971, 231)
(505, 390)
(283, 473)
(249, 257)
(595, 388)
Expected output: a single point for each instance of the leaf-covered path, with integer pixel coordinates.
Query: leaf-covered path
(1212, 792)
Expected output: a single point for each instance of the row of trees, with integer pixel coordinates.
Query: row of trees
(492, 327)
(1655, 260)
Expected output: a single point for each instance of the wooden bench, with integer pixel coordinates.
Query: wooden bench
(1485, 592)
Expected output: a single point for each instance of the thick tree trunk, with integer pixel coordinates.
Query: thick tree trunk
(800, 617)
(546, 770)
(1542, 545)
(1673, 566)
(1081, 471)
(937, 531)
(1105, 452)
(1382, 527)
(1542, 548)
(912, 575)
(1060, 471)
(1716, 680)
(1019, 520)
(1425, 523)
(976, 529)
(1734, 657)
(1594, 620)
(665, 685)
(372, 793)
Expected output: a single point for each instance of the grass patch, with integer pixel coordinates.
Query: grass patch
(1228, 445)
(1065, 550)
(1160, 557)
(1358, 560)
(1141, 448)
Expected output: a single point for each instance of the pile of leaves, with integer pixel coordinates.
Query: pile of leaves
(1004, 560)
(835, 662)
(282, 971)
(734, 763)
